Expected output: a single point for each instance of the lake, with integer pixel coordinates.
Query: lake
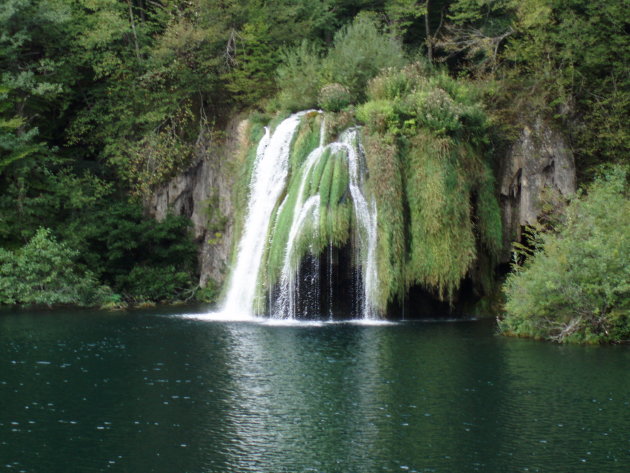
(162, 391)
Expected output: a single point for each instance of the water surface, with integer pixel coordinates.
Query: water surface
(158, 392)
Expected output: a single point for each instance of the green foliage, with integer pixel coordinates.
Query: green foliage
(127, 250)
(441, 239)
(386, 185)
(488, 214)
(299, 77)
(378, 115)
(401, 101)
(209, 293)
(154, 283)
(45, 271)
(569, 55)
(256, 63)
(576, 286)
(477, 31)
(360, 51)
(403, 13)
(159, 155)
(426, 136)
(334, 97)
(40, 195)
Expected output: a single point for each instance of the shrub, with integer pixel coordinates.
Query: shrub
(209, 293)
(378, 115)
(154, 283)
(437, 111)
(123, 247)
(394, 83)
(576, 286)
(360, 51)
(334, 97)
(44, 272)
(300, 77)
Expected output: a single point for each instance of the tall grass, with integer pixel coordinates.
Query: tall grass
(425, 136)
(386, 185)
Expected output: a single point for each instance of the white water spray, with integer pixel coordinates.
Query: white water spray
(268, 181)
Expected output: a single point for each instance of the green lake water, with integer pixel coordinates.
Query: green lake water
(154, 391)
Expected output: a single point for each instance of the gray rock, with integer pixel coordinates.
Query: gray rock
(538, 166)
(204, 194)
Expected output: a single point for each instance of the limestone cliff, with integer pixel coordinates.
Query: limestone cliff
(539, 166)
(204, 193)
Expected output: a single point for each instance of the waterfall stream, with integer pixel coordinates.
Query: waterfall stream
(268, 181)
(268, 185)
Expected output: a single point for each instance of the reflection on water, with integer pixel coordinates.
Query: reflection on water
(149, 392)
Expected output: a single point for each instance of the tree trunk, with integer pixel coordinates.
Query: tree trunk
(427, 33)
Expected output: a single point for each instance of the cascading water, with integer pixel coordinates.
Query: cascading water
(365, 214)
(269, 182)
(286, 306)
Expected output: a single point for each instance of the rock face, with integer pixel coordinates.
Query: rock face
(538, 168)
(204, 194)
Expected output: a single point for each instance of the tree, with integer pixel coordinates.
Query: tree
(44, 272)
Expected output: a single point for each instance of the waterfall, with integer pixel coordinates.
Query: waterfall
(268, 184)
(365, 214)
(289, 286)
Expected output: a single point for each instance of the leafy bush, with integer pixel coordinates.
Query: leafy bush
(394, 83)
(44, 271)
(334, 97)
(418, 97)
(360, 51)
(300, 77)
(127, 251)
(154, 283)
(576, 286)
(378, 115)
(438, 111)
(209, 293)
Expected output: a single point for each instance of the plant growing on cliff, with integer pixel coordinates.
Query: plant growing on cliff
(360, 51)
(576, 286)
(425, 139)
